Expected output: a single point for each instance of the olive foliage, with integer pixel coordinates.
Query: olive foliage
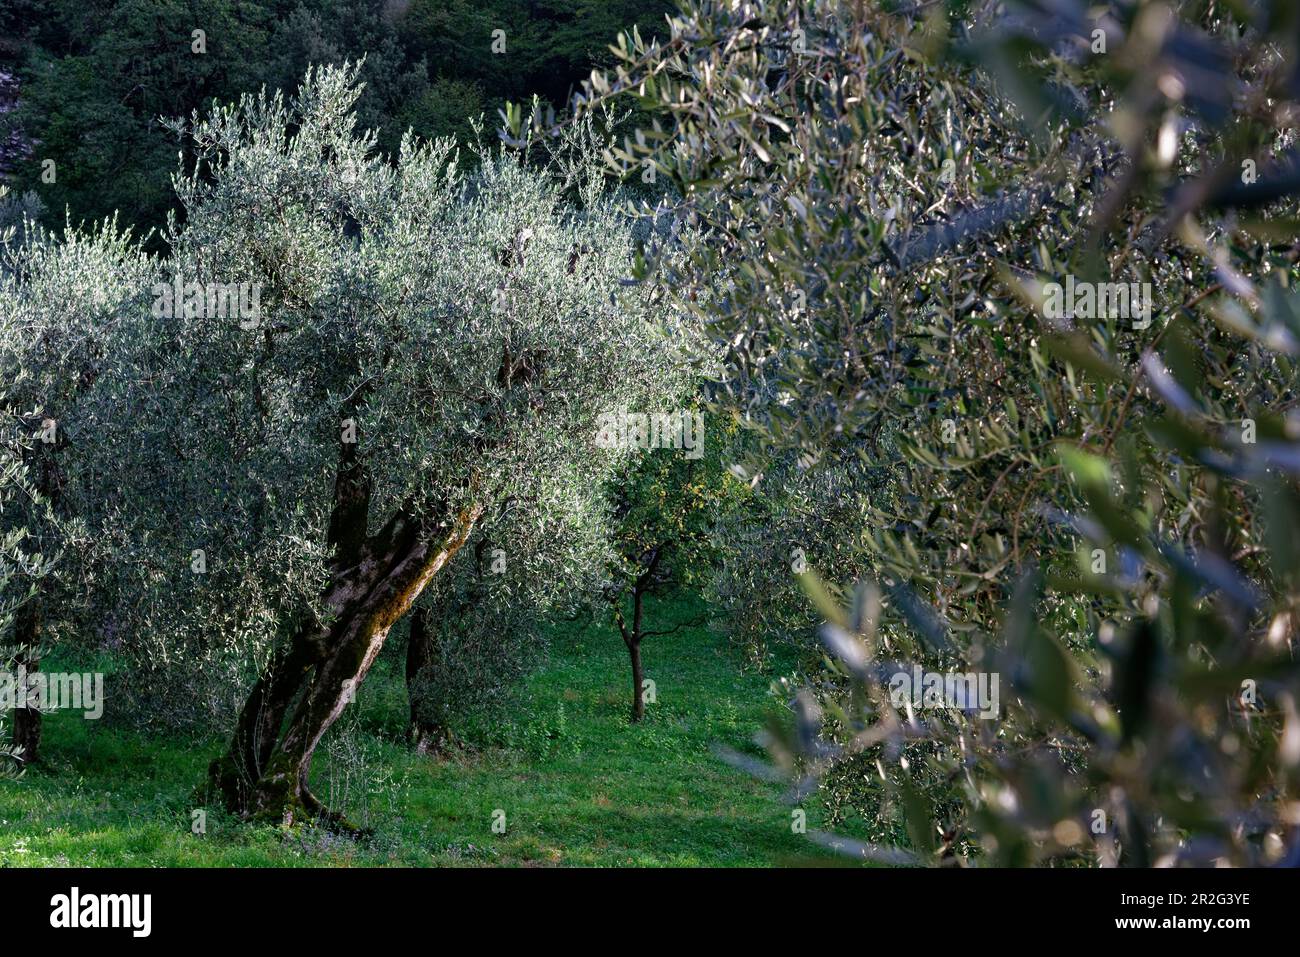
(1094, 504)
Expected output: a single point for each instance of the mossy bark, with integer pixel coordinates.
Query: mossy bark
(265, 772)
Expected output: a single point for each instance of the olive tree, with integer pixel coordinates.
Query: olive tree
(663, 505)
(798, 517)
(339, 369)
(24, 565)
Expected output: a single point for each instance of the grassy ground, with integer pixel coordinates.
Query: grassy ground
(577, 784)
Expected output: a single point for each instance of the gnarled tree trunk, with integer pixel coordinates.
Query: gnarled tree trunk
(266, 769)
(375, 581)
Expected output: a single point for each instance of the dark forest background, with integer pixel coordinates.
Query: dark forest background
(88, 80)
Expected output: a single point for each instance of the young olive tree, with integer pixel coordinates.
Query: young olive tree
(663, 503)
(340, 369)
(798, 517)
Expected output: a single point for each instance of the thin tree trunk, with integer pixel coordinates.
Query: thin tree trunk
(632, 640)
(27, 721)
(638, 693)
(634, 644)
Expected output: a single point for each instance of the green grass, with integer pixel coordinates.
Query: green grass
(578, 784)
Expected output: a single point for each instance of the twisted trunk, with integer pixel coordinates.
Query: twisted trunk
(375, 581)
(265, 771)
(236, 775)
